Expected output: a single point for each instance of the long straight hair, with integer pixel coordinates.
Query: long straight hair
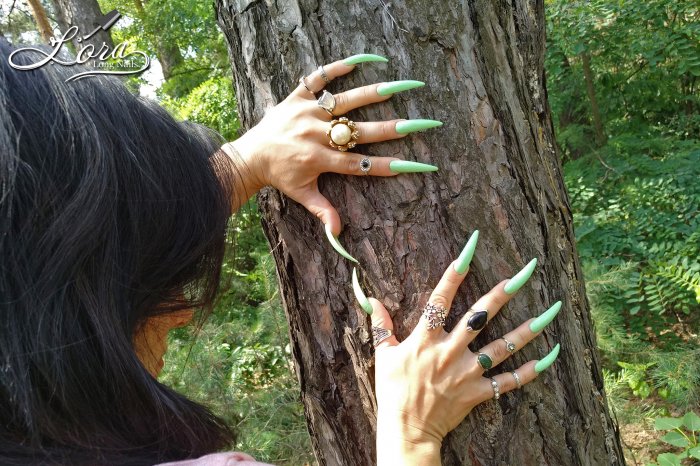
(110, 211)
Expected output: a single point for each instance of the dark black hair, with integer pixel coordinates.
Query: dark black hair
(110, 209)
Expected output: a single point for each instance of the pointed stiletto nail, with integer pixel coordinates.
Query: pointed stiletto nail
(465, 257)
(406, 166)
(364, 58)
(545, 318)
(337, 246)
(397, 86)
(548, 360)
(515, 283)
(409, 126)
(359, 294)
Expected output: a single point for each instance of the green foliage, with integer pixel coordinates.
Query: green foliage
(237, 361)
(212, 104)
(645, 58)
(683, 433)
(630, 214)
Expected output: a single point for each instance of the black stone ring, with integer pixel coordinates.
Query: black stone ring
(476, 319)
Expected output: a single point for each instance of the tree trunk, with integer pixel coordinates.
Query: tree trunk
(42, 22)
(169, 54)
(499, 173)
(86, 15)
(590, 89)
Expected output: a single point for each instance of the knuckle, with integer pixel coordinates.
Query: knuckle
(387, 130)
(500, 352)
(352, 165)
(341, 100)
(439, 299)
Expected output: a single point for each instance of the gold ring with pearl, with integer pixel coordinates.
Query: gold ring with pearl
(342, 134)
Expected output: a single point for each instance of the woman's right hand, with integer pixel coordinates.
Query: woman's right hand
(428, 383)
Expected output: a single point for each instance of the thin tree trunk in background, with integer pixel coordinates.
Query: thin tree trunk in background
(86, 15)
(42, 21)
(499, 173)
(169, 55)
(590, 89)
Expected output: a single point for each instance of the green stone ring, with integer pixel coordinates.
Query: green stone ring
(484, 361)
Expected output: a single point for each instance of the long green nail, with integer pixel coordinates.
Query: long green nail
(359, 294)
(409, 126)
(364, 58)
(337, 246)
(397, 86)
(545, 318)
(515, 283)
(547, 361)
(406, 166)
(465, 257)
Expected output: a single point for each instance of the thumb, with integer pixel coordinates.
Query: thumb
(317, 204)
(380, 316)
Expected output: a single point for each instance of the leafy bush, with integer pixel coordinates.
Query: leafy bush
(682, 434)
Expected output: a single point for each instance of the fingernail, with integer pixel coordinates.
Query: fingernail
(397, 86)
(465, 257)
(515, 283)
(409, 126)
(548, 360)
(364, 58)
(406, 166)
(337, 246)
(359, 294)
(545, 318)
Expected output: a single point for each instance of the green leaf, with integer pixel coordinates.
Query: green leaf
(676, 439)
(668, 459)
(694, 452)
(691, 421)
(667, 423)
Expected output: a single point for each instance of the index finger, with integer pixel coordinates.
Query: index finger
(316, 81)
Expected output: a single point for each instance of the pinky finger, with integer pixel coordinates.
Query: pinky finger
(525, 374)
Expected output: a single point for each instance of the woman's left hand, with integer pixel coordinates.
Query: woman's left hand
(289, 148)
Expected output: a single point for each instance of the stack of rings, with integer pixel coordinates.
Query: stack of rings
(496, 389)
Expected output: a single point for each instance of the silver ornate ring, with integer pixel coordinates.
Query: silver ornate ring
(380, 334)
(327, 102)
(324, 76)
(435, 315)
(510, 346)
(496, 389)
(365, 165)
(518, 382)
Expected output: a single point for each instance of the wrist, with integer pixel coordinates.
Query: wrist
(402, 443)
(247, 160)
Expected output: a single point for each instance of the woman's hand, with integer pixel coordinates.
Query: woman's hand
(428, 383)
(289, 148)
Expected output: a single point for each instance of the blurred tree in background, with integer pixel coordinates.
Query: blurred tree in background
(622, 81)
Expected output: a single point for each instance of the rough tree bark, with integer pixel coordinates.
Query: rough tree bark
(499, 173)
(41, 20)
(85, 14)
